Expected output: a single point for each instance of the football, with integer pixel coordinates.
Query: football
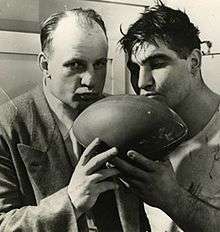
(131, 122)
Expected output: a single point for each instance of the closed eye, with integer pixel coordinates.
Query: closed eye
(156, 65)
(159, 61)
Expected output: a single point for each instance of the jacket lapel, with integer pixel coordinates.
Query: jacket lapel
(48, 164)
(45, 157)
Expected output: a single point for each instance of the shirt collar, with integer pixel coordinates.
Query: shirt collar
(62, 118)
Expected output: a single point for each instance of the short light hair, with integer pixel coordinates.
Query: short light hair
(49, 25)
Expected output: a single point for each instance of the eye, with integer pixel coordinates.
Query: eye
(79, 66)
(76, 65)
(158, 63)
(100, 64)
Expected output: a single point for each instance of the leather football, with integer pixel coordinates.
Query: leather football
(130, 122)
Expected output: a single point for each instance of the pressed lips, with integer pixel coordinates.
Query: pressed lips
(87, 96)
(155, 95)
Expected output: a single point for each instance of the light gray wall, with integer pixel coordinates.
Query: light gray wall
(18, 52)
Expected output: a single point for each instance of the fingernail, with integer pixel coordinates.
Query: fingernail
(97, 140)
(131, 154)
(114, 150)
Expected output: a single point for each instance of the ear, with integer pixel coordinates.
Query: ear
(194, 61)
(43, 63)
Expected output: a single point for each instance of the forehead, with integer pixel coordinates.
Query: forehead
(72, 35)
(141, 52)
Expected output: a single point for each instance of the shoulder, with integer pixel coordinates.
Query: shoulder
(19, 108)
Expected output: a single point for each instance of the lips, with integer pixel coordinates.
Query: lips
(156, 95)
(152, 93)
(87, 97)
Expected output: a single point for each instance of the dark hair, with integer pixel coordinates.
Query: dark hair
(49, 25)
(163, 23)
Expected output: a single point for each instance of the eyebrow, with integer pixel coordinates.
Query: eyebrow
(105, 59)
(156, 56)
(69, 62)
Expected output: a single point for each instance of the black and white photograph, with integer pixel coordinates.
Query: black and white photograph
(109, 116)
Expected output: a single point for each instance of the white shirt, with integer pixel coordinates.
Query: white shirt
(63, 119)
(65, 124)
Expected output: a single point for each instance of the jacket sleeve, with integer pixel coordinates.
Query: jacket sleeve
(54, 213)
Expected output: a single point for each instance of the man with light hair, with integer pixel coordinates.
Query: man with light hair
(46, 182)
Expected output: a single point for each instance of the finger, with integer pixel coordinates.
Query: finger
(132, 184)
(135, 187)
(104, 186)
(90, 151)
(143, 162)
(99, 160)
(104, 174)
(136, 184)
(127, 169)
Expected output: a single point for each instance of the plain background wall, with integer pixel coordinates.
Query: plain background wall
(205, 15)
(113, 15)
(18, 51)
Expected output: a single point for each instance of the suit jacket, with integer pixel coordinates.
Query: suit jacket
(35, 169)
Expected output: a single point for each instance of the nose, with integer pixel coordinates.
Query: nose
(88, 77)
(146, 80)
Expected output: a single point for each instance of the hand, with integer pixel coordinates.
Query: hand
(153, 181)
(89, 179)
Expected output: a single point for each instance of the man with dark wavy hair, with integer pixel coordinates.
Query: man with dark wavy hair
(164, 59)
(46, 183)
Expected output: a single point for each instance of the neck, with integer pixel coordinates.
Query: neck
(61, 109)
(197, 109)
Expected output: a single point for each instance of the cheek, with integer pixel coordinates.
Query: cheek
(100, 77)
(64, 84)
(162, 77)
(68, 78)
